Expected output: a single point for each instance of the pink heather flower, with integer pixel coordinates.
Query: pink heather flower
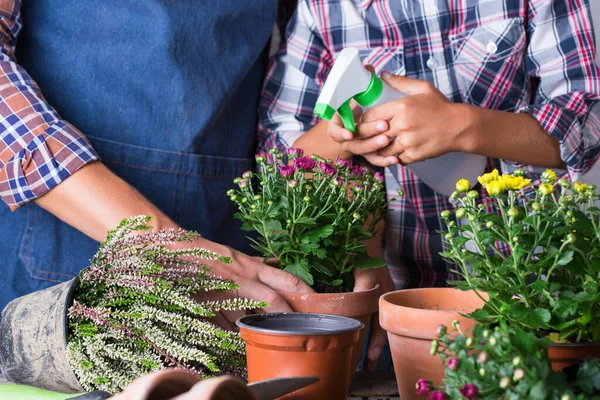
(305, 163)
(295, 153)
(437, 396)
(378, 176)
(328, 169)
(453, 363)
(423, 387)
(357, 170)
(469, 391)
(287, 170)
(342, 163)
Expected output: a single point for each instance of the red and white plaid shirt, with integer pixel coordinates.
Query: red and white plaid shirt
(527, 56)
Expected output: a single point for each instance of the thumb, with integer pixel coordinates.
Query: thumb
(406, 85)
(364, 281)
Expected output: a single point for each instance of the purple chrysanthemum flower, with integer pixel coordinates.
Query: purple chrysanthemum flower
(243, 183)
(337, 182)
(342, 163)
(469, 391)
(453, 363)
(287, 171)
(328, 169)
(423, 387)
(378, 176)
(357, 170)
(295, 153)
(305, 163)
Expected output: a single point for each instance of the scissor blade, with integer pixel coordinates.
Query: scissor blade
(273, 388)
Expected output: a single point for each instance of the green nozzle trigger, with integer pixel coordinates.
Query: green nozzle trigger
(366, 98)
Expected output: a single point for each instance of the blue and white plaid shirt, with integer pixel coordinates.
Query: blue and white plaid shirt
(529, 56)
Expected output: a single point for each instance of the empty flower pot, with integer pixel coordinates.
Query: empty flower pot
(301, 344)
(33, 339)
(356, 305)
(564, 355)
(410, 317)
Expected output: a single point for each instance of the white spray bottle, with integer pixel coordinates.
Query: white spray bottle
(348, 80)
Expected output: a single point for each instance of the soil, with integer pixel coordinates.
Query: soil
(326, 288)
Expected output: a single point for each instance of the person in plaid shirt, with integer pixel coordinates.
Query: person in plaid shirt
(514, 80)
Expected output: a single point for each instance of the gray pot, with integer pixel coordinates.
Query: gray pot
(33, 339)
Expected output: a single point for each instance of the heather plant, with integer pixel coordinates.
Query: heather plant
(532, 252)
(312, 214)
(133, 311)
(505, 363)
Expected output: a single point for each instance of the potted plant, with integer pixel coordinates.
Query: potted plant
(313, 216)
(507, 363)
(532, 253)
(128, 314)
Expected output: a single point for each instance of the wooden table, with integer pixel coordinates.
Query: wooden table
(366, 387)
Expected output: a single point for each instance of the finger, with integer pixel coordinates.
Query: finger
(370, 68)
(406, 85)
(281, 281)
(365, 146)
(251, 289)
(369, 129)
(377, 340)
(380, 161)
(364, 280)
(336, 130)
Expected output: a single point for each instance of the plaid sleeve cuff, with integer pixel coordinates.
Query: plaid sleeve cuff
(46, 161)
(562, 118)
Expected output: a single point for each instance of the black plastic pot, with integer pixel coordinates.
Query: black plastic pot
(33, 339)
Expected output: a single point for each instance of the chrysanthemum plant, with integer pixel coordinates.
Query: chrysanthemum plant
(313, 215)
(133, 311)
(505, 363)
(532, 252)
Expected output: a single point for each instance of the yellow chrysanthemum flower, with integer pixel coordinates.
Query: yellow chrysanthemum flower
(546, 189)
(495, 188)
(512, 182)
(549, 176)
(579, 187)
(489, 177)
(463, 185)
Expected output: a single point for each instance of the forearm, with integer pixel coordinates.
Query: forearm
(516, 137)
(316, 141)
(94, 200)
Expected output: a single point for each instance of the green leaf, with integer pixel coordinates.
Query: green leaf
(582, 223)
(306, 221)
(539, 285)
(534, 318)
(539, 391)
(336, 282)
(273, 229)
(317, 234)
(322, 268)
(588, 376)
(301, 270)
(565, 308)
(480, 315)
(364, 261)
(566, 258)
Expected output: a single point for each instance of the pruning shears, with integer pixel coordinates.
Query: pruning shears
(264, 390)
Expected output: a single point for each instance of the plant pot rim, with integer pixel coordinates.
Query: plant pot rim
(68, 301)
(385, 299)
(345, 324)
(307, 295)
(580, 344)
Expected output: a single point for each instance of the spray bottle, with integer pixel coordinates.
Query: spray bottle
(349, 80)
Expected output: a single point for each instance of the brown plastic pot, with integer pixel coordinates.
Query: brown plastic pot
(567, 354)
(356, 305)
(301, 344)
(410, 317)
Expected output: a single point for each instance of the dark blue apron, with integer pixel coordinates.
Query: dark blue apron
(167, 93)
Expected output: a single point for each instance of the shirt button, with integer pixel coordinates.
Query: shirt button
(491, 47)
(432, 63)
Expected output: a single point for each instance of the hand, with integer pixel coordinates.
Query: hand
(257, 281)
(366, 280)
(424, 124)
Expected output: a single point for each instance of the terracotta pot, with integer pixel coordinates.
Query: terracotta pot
(170, 383)
(33, 339)
(301, 344)
(410, 317)
(567, 354)
(356, 305)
